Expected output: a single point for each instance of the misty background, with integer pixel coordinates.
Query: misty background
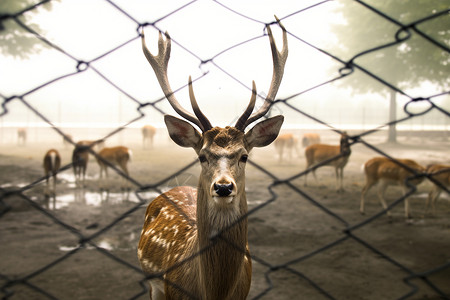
(94, 74)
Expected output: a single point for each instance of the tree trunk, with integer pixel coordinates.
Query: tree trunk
(392, 131)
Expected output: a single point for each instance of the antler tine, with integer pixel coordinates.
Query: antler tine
(159, 64)
(200, 116)
(240, 124)
(279, 61)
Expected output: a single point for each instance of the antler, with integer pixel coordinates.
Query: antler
(279, 60)
(159, 64)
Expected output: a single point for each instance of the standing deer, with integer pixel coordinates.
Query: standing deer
(319, 155)
(116, 156)
(286, 141)
(52, 163)
(148, 132)
(385, 172)
(80, 159)
(194, 241)
(441, 174)
(21, 136)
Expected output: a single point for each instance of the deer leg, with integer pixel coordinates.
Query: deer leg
(306, 175)
(365, 189)
(339, 185)
(315, 177)
(407, 208)
(124, 168)
(381, 190)
(432, 197)
(54, 184)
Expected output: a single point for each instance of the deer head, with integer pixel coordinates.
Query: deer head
(222, 151)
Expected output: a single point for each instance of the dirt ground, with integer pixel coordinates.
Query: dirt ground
(300, 244)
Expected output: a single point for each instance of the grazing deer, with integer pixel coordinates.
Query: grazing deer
(21, 136)
(385, 172)
(310, 139)
(194, 241)
(319, 155)
(148, 132)
(441, 174)
(286, 141)
(52, 163)
(116, 156)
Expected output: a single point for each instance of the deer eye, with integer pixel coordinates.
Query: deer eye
(244, 158)
(202, 158)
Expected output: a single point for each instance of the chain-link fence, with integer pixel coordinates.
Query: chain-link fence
(304, 243)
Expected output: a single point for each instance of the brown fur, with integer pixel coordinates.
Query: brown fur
(286, 141)
(116, 156)
(388, 172)
(441, 174)
(80, 159)
(148, 133)
(52, 163)
(329, 155)
(21, 136)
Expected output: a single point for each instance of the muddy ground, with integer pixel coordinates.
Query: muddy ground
(300, 247)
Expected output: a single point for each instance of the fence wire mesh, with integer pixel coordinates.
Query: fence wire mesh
(274, 275)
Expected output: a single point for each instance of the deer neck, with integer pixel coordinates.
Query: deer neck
(222, 241)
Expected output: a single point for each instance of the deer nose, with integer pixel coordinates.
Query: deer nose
(223, 190)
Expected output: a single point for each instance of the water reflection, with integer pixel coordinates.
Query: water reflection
(121, 242)
(82, 196)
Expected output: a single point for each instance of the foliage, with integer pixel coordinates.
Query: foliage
(406, 63)
(15, 40)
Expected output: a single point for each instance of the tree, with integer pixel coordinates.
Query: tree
(15, 40)
(418, 32)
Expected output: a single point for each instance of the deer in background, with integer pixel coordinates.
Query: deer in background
(52, 163)
(21, 136)
(116, 156)
(80, 159)
(194, 241)
(310, 139)
(286, 141)
(319, 155)
(148, 132)
(440, 174)
(385, 172)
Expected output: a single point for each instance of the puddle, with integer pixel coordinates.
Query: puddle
(123, 242)
(98, 198)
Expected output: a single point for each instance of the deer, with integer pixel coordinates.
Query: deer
(116, 156)
(386, 171)
(337, 156)
(439, 175)
(52, 163)
(80, 159)
(310, 139)
(288, 141)
(194, 241)
(21, 136)
(148, 132)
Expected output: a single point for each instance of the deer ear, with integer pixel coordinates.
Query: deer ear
(183, 133)
(264, 133)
